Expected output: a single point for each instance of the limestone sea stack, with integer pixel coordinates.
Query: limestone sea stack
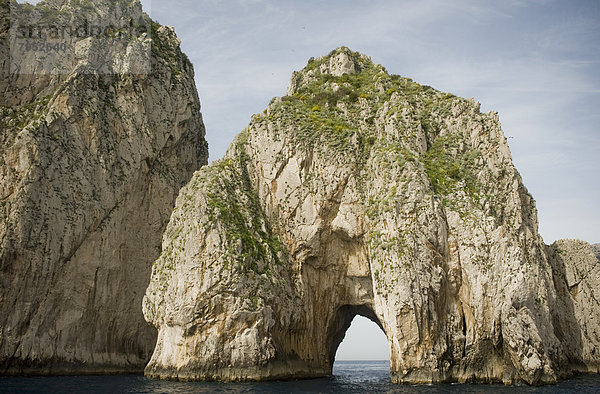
(97, 136)
(365, 193)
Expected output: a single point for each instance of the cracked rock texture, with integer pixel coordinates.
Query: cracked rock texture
(366, 193)
(94, 150)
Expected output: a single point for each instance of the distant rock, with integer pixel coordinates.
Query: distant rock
(95, 143)
(576, 273)
(365, 193)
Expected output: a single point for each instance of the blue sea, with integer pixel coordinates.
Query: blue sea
(348, 377)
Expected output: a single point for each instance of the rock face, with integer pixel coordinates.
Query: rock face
(364, 193)
(576, 274)
(95, 145)
(596, 249)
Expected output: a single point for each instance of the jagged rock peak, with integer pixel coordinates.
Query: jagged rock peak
(364, 193)
(338, 62)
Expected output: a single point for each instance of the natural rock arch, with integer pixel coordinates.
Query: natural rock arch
(364, 192)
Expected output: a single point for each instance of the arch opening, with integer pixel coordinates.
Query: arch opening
(365, 340)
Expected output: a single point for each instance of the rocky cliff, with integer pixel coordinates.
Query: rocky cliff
(98, 134)
(365, 193)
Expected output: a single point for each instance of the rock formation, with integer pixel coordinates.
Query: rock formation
(596, 249)
(365, 193)
(97, 137)
(576, 275)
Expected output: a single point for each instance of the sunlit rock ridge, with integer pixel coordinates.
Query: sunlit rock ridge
(361, 192)
(94, 148)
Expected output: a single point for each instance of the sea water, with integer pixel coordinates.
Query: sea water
(348, 377)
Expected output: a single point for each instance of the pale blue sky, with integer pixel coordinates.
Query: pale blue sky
(536, 62)
(364, 341)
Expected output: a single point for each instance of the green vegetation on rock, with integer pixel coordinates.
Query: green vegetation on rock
(250, 242)
(13, 120)
(449, 169)
(166, 49)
